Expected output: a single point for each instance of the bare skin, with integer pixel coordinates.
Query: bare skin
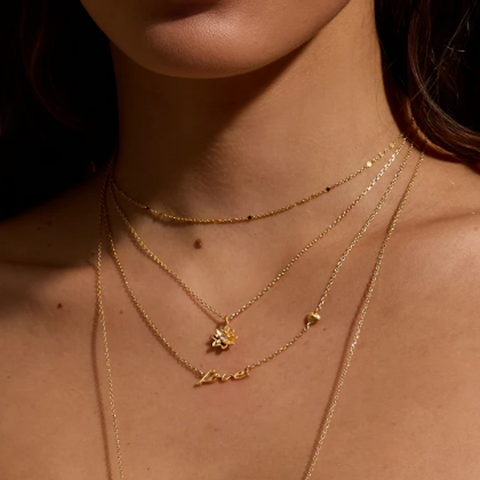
(409, 407)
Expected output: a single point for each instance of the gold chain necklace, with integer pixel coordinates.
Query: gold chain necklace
(346, 365)
(212, 375)
(225, 335)
(258, 216)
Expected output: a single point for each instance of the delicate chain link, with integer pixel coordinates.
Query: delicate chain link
(101, 315)
(356, 337)
(201, 302)
(249, 367)
(138, 305)
(340, 263)
(104, 222)
(258, 216)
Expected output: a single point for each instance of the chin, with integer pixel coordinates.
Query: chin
(205, 45)
(209, 38)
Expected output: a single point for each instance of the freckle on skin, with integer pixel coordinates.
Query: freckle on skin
(197, 243)
(59, 305)
(121, 312)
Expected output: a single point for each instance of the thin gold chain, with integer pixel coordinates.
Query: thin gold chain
(101, 316)
(361, 319)
(258, 216)
(211, 375)
(200, 301)
(341, 379)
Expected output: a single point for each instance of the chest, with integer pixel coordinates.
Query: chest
(407, 408)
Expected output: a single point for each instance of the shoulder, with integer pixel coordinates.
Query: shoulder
(46, 297)
(439, 236)
(45, 249)
(442, 226)
(424, 324)
(56, 233)
(430, 278)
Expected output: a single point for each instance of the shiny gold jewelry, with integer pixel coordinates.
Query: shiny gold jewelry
(358, 326)
(212, 374)
(312, 318)
(258, 216)
(225, 336)
(346, 365)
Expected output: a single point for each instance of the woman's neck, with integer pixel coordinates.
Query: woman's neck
(257, 140)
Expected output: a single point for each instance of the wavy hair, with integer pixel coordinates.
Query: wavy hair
(58, 111)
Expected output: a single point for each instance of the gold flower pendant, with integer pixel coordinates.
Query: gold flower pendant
(224, 336)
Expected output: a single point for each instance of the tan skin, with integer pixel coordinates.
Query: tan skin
(239, 109)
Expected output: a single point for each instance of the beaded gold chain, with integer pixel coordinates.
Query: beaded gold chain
(103, 221)
(212, 375)
(225, 335)
(258, 216)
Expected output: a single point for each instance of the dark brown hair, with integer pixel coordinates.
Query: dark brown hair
(58, 112)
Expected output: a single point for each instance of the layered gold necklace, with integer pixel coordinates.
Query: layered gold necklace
(211, 376)
(258, 216)
(225, 335)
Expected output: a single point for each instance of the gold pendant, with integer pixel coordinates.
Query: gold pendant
(224, 336)
(212, 376)
(312, 318)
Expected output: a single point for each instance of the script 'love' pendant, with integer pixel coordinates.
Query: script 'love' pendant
(213, 376)
(224, 336)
